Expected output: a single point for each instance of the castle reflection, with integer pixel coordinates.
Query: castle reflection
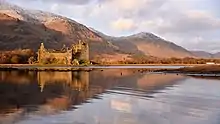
(53, 90)
(64, 90)
(47, 93)
(76, 80)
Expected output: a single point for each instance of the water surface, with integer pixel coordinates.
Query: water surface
(110, 96)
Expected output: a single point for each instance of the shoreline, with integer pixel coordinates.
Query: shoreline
(201, 70)
(104, 65)
(189, 69)
(38, 67)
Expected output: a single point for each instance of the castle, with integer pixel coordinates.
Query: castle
(78, 52)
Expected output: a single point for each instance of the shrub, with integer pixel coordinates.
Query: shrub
(75, 62)
(15, 59)
(84, 62)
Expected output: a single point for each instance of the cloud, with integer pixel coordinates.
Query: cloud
(124, 24)
(73, 2)
(204, 45)
(78, 2)
(125, 5)
(191, 22)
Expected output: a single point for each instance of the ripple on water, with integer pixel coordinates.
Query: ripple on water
(104, 98)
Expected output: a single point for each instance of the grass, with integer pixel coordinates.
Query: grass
(204, 69)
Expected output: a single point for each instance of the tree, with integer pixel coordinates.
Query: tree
(3, 59)
(84, 62)
(15, 59)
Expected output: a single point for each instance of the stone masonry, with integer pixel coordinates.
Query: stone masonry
(79, 51)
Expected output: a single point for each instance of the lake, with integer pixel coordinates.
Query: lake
(107, 96)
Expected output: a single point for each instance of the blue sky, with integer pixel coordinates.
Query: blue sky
(194, 24)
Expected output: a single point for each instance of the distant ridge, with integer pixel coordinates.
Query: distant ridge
(203, 54)
(147, 44)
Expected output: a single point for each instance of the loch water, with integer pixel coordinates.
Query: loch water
(107, 96)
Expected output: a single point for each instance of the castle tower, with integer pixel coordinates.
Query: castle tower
(42, 46)
(69, 57)
(84, 51)
(87, 52)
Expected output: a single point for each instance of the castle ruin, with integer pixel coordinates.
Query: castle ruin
(78, 52)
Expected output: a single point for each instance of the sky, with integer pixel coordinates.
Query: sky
(193, 24)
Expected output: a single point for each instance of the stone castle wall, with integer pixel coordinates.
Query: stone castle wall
(79, 51)
(60, 57)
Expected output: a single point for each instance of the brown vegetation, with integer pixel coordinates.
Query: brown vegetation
(202, 69)
(155, 60)
(26, 56)
(206, 69)
(16, 56)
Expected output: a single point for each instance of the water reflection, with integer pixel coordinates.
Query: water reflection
(27, 89)
(104, 97)
(75, 80)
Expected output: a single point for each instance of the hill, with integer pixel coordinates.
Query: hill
(147, 44)
(203, 54)
(20, 28)
(216, 55)
(26, 29)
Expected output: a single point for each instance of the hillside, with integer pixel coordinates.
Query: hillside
(26, 29)
(147, 44)
(20, 28)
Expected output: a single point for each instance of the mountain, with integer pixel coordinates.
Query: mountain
(21, 28)
(216, 55)
(202, 54)
(147, 44)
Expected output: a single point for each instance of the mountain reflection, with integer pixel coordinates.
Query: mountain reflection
(46, 93)
(59, 90)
